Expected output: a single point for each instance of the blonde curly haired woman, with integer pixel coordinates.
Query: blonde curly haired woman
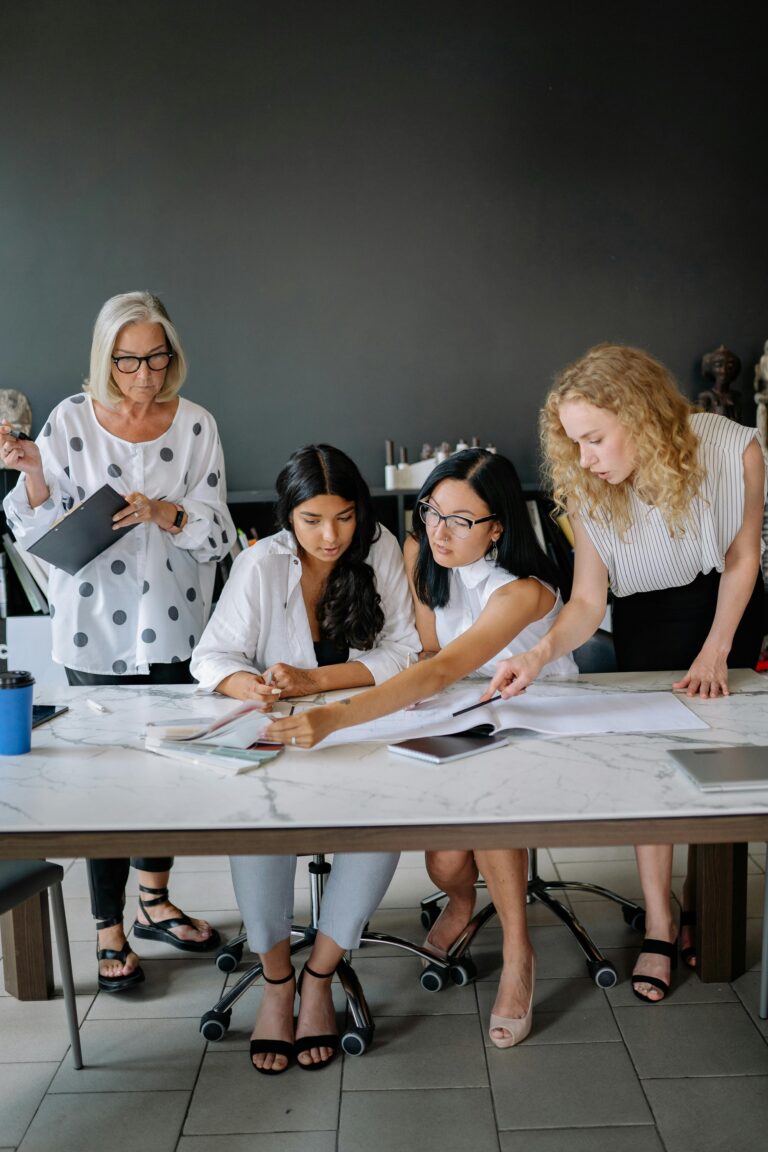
(666, 504)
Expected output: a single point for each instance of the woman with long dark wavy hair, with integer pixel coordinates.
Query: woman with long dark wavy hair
(483, 590)
(322, 604)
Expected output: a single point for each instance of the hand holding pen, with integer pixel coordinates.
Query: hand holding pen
(18, 451)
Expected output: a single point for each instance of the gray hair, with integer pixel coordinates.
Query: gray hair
(131, 308)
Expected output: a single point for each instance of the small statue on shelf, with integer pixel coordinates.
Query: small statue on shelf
(722, 367)
(15, 410)
(761, 396)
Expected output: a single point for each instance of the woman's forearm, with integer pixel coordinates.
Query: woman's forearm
(737, 584)
(37, 488)
(416, 682)
(578, 620)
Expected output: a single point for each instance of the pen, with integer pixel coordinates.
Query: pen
(480, 704)
(16, 434)
(96, 707)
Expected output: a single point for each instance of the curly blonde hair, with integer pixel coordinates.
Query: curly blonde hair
(645, 398)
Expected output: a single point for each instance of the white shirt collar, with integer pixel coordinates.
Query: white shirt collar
(473, 574)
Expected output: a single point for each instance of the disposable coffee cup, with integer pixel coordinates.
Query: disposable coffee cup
(16, 691)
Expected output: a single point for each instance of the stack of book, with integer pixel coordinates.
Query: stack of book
(232, 744)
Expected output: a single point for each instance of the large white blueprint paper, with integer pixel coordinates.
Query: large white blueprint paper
(579, 714)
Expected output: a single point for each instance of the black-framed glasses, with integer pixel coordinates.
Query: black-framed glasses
(156, 361)
(458, 526)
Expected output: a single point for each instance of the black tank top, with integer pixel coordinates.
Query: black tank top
(329, 652)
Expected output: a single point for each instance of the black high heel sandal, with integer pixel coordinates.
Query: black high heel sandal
(660, 948)
(261, 1047)
(688, 954)
(116, 983)
(308, 1042)
(161, 929)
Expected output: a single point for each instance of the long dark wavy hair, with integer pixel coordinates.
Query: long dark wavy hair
(494, 479)
(349, 611)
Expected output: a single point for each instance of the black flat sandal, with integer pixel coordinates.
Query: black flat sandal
(260, 1047)
(660, 948)
(117, 983)
(308, 1042)
(688, 920)
(161, 929)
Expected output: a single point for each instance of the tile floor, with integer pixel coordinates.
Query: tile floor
(599, 1072)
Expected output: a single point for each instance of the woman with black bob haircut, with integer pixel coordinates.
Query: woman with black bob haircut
(483, 590)
(322, 604)
(494, 479)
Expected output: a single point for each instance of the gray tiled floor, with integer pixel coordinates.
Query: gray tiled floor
(600, 1071)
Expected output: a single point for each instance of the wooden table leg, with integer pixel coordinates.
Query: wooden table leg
(721, 933)
(27, 958)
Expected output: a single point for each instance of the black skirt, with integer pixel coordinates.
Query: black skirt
(664, 630)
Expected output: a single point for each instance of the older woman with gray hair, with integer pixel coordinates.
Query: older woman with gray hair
(134, 614)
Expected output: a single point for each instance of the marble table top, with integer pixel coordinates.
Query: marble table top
(88, 771)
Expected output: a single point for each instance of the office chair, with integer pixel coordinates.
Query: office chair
(358, 1035)
(20, 880)
(596, 655)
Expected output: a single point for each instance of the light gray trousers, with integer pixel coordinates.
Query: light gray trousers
(354, 890)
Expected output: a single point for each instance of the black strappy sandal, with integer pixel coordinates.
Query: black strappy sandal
(660, 948)
(161, 929)
(688, 920)
(116, 983)
(260, 1047)
(308, 1042)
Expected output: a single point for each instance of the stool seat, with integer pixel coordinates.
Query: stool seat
(22, 879)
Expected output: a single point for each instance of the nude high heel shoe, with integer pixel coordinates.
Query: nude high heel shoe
(518, 1028)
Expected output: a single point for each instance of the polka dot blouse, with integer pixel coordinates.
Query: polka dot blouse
(147, 598)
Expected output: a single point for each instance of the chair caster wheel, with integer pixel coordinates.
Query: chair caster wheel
(214, 1024)
(228, 957)
(356, 1041)
(464, 972)
(433, 978)
(635, 918)
(429, 916)
(603, 973)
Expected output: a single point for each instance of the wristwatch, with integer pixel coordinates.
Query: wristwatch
(179, 520)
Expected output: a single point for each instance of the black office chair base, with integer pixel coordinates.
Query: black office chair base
(600, 969)
(358, 1034)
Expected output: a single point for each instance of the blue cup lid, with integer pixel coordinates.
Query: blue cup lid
(16, 679)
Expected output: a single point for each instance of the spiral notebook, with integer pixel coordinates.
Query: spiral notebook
(84, 533)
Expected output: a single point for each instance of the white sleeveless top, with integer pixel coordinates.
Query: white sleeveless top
(648, 558)
(471, 587)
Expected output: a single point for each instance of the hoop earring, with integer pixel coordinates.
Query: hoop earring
(492, 554)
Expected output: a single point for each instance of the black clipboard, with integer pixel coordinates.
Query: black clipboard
(84, 533)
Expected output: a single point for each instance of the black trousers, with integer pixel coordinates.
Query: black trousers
(107, 878)
(665, 630)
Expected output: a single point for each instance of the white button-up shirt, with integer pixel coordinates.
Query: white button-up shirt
(261, 618)
(146, 599)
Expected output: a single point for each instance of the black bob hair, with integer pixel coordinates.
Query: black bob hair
(349, 610)
(494, 479)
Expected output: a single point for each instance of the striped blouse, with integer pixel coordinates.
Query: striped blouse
(647, 558)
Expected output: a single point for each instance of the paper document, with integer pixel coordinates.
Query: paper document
(238, 729)
(225, 761)
(580, 714)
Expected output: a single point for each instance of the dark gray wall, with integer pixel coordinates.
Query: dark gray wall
(374, 220)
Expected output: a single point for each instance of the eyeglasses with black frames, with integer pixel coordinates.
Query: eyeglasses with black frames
(156, 362)
(458, 526)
